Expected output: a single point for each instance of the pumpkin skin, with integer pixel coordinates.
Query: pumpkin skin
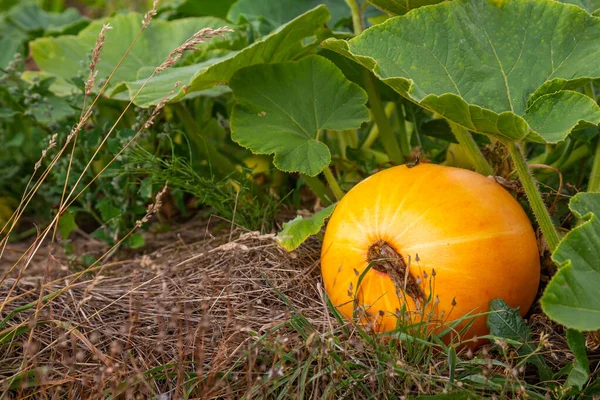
(464, 226)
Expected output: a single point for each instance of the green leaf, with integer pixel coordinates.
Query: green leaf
(401, 7)
(296, 231)
(67, 224)
(546, 115)
(581, 370)
(59, 86)
(281, 45)
(136, 241)
(11, 42)
(590, 6)
(107, 209)
(505, 322)
(592, 390)
(63, 56)
(287, 123)
(501, 68)
(571, 298)
(30, 17)
(275, 13)
(201, 8)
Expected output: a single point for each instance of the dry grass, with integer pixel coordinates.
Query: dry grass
(189, 308)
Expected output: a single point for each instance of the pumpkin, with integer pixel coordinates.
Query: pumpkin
(430, 244)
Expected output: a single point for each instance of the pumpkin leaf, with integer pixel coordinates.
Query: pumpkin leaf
(296, 231)
(61, 56)
(268, 120)
(274, 13)
(581, 368)
(401, 7)
(29, 17)
(571, 297)
(478, 64)
(279, 46)
(505, 322)
(11, 42)
(591, 6)
(200, 8)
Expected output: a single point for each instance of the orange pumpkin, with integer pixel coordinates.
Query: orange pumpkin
(448, 242)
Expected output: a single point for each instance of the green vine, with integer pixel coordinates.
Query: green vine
(594, 183)
(468, 143)
(335, 187)
(533, 195)
(385, 129)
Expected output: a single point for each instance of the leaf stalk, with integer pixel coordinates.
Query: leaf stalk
(468, 143)
(390, 143)
(404, 132)
(594, 183)
(335, 187)
(318, 188)
(357, 21)
(533, 195)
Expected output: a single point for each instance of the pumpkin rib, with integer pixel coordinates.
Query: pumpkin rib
(354, 219)
(398, 237)
(406, 196)
(460, 240)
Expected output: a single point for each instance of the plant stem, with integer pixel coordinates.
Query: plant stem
(357, 21)
(374, 132)
(335, 187)
(341, 139)
(575, 156)
(385, 129)
(404, 133)
(381, 120)
(468, 143)
(351, 138)
(534, 196)
(387, 135)
(379, 157)
(594, 183)
(318, 188)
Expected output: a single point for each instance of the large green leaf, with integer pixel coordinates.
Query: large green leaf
(572, 297)
(296, 231)
(287, 123)
(200, 8)
(502, 68)
(30, 17)
(505, 322)
(279, 46)
(400, 7)
(275, 13)
(62, 56)
(590, 6)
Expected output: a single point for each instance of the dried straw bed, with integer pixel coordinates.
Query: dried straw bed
(182, 304)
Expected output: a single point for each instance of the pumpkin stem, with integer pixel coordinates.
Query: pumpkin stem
(387, 260)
